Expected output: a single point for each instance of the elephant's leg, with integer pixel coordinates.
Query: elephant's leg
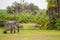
(11, 29)
(14, 26)
(14, 30)
(17, 25)
(5, 30)
(18, 28)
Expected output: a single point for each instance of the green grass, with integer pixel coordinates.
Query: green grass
(31, 35)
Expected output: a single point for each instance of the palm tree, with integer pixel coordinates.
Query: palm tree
(16, 7)
(51, 12)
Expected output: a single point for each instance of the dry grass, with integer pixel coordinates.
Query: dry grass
(32, 35)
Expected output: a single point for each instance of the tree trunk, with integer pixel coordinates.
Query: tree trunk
(51, 12)
(58, 5)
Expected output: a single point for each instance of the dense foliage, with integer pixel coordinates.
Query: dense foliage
(54, 6)
(39, 18)
(18, 7)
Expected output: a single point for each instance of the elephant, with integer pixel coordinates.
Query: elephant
(11, 25)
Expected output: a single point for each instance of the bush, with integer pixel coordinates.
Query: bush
(27, 18)
(57, 24)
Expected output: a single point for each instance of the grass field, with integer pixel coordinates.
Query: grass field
(31, 35)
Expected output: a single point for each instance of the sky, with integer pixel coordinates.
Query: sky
(42, 4)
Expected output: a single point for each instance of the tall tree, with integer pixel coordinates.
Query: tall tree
(51, 12)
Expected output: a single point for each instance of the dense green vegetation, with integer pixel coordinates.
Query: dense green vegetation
(18, 7)
(54, 13)
(39, 18)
